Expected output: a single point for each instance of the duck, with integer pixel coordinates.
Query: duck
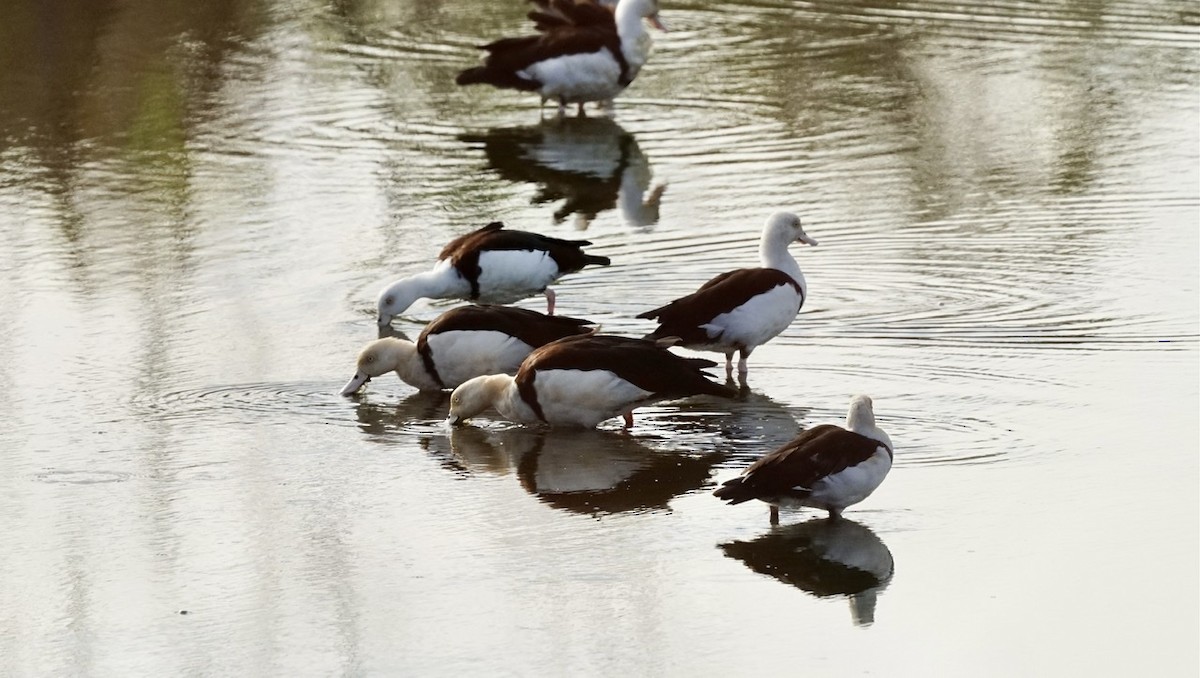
(582, 52)
(826, 467)
(491, 265)
(583, 380)
(462, 343)
(740, 310)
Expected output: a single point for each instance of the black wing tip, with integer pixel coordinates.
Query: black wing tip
(732, 491)
(699, 363)
(470, 76)
(483, 75)
(577, 322)
(598, 260)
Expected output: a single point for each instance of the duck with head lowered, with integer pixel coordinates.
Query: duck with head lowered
(462, 343)
(490, 265)
(583, 380)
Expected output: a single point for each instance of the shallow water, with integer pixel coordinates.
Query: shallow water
(200, 201)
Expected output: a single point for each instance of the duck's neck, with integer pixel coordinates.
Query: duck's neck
(773, 253)
(862, 421)
(441, 282)
(635, 39)
(508, 401)
(409, 366)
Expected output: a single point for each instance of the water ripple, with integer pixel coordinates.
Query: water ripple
(59, 477)
(1130, 22)
(305, 398)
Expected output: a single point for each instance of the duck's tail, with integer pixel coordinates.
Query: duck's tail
(732, 491)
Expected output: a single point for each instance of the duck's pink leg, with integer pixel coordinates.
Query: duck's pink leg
(549, 301)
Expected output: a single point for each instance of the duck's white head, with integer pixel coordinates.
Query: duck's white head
(379, 357)
(860, 418)
(476, 395)
(396, 298)
(783, 228)
(638, 10)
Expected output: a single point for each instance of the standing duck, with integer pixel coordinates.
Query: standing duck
(740, 310)
(826, 467)
(583, 52)
(462, 343)
(581, 381)
(491, 265)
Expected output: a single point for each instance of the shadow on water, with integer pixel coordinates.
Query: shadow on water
(591, 164)
(823, 557)
(589, 472)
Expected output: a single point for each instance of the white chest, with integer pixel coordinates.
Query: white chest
(756, 321)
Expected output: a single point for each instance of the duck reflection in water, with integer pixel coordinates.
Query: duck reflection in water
(591, 164)
(423, 410)
(741, 427)
(824, 557)
(386, 331)
(590, 472)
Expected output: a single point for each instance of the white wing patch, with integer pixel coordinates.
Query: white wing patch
(756, 321)
(853, 484)
(584, 397)
(577, 77)
(460, 355)
(509, 275)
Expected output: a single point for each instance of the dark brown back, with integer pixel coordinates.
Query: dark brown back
(815, 453)
(531, 327)
(464, 251)
(507, 56)
(638, 361)
(554, 14)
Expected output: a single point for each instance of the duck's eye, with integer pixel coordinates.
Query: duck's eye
(388, 301)
(369, 359)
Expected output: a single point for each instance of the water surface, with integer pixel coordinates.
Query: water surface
(200, 201)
